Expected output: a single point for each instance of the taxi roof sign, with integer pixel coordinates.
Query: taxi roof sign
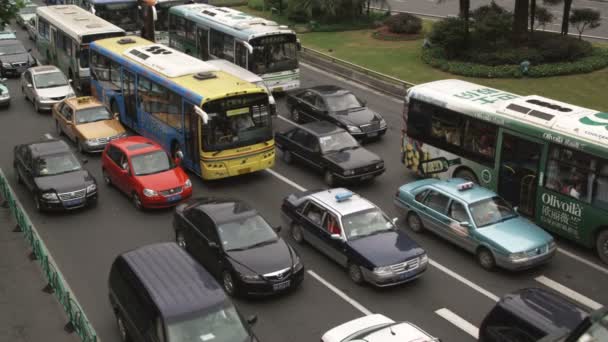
(343, 196)
(84, 99)
(465, 186)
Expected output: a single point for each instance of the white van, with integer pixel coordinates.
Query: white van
(245, 75)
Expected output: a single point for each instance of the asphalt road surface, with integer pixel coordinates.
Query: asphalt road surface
(450, 7)
(85, 242)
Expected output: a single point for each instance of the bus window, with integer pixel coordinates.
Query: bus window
(446, 127)
(480, 138)
(572, 173)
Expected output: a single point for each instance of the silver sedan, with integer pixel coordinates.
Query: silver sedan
(44, 86)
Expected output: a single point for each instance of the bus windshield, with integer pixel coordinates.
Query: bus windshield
(123, 15)
(274, 54)
(237, 121)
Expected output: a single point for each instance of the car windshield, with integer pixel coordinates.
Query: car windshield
(28, 10)
(245, 233)
(491, 211)
(56, 164)
(50, 80)
(92, 114)
(150, 163)
(12, 49)
(222, 324)
(337, 103)
(366, 223)
(337, 142)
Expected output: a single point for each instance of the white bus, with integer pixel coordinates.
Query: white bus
(64, 34)
(256, 44)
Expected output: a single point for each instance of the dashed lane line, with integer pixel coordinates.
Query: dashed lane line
(340, 294)
(568, 292)
(458, 321)
(584, 261)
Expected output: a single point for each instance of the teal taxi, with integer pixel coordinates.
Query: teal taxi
(477, 220)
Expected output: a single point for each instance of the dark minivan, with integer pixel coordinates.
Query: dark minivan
(159, 293)
(530, 314)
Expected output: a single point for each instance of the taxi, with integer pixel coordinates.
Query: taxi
(476, 219)
(377, 328)
(87, 122)
(356, 234)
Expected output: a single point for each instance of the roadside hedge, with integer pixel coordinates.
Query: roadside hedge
(435, 57)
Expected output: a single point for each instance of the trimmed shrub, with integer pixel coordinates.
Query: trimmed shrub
(257, 5)
(560, 49)
(449, 34)
(403, 23)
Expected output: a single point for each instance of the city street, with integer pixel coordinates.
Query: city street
(85, 242)
(450, 7)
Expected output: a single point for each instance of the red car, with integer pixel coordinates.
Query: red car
(141, 168)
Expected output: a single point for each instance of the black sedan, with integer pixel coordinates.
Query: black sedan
(52, 172)
(338, 106)
(235, 244)
(14, 59)
(331, 150)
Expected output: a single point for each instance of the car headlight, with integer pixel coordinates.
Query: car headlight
(43, 98)
(188, 183)
(380, 165)
(519, 256)
(424, 259)
(5, 95)
(93, 142)
(249, 277)
(7, 65)
(349, 172)
(71, 94)
(382, 123)
(552, 245)
(383, 271)
(353, 129)
(150, 193)
(50, 196)
(297, 264)
(91, 188)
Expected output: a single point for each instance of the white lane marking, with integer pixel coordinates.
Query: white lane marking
(583, 260)
(48, 136)
(285, 179)
(341, 294)
(458, 321)
(569, 292)
(288, 121)
(464, 280)
(354, 84)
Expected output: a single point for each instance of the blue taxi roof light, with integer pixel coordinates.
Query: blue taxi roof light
(343, 196)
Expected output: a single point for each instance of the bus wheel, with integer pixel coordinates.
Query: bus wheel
(602, 245)
(466, 174)
(486, 259)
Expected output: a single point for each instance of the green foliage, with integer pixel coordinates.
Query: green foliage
(449, 33)
(492, 26)
(491, 10)
(257, 5)
(557, 48)
(542, 17)
(8, 11)
(584, 18)
(403, 23)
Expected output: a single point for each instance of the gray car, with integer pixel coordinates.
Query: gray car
(44, 86)
(14, 57)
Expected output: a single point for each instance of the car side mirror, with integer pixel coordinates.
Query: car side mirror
(84, 161)
(179, 155)
(252, 319)
(465, 224)
(213, 245)
(29, 50)
(125, 168)
(336, 237)
(278, 229)
(116, 115)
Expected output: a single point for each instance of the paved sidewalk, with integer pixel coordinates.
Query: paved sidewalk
(27, 314)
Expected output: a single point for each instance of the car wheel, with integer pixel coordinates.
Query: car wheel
(354, 271)
(136, 201)
(80, 146)
(122, 329)
(329, 178)
(296, 233)
(486, 259)
(295, 115)
(180, 239)
(106, 177)
(58, 129)
(414, 222)
(228, 283)
(466, 174)
(602, 245)
(287, 157)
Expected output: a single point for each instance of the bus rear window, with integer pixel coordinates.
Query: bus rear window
(92, 37)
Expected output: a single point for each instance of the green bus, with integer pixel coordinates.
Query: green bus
(548, 158)
(63, 36)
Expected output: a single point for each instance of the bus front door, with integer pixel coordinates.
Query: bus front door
(519, 170)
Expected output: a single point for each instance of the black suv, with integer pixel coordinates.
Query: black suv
(14, 59)
(529, 315)
(159, 293)
(329, 149)
(51, 171)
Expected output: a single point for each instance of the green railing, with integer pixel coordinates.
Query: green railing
(78, 321)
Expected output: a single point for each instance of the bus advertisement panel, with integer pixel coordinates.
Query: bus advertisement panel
(64, 33)
(258, 45)
(220, 124)
(548, 158)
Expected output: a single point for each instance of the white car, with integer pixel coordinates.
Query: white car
(377, 328)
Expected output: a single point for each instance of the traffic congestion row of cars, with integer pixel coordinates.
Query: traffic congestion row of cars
(224, 246)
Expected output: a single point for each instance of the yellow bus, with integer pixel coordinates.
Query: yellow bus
(217, 124)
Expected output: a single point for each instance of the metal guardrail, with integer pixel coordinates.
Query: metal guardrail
(78, 321)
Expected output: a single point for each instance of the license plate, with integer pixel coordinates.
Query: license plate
(372, 134)
(174, 198)
(366, 177)
(281, 286)
(245, 170)
(73, 202)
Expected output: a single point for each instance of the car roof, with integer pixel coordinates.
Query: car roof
(321, 128)
(136, 144)
(177, 284)
(222, 210)
(82, 102)
(472, 195)
(329, 90)
(48, 147)
(43, 69)
(351, 205)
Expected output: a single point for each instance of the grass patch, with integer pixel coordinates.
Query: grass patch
(403, 60)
